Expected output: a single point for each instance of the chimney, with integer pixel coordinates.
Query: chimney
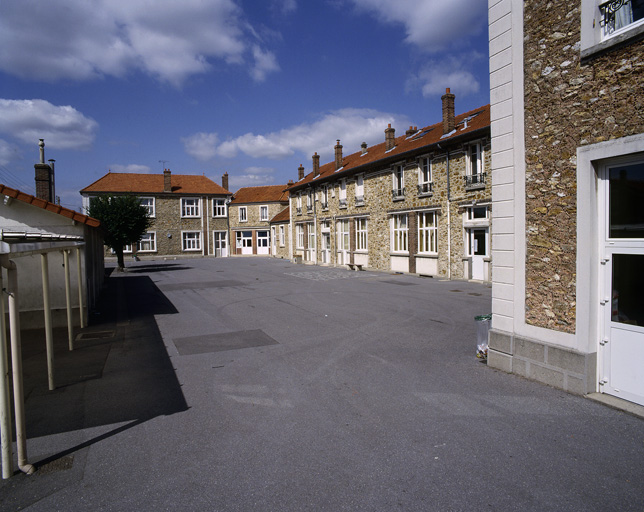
(167, 181)
(364, 148)
(410, 132)
(224, 180)
(290, 182)
(390, 137)
(338, 155)
(43, 176)
(300, 172)
(448, 112)
(316, 164)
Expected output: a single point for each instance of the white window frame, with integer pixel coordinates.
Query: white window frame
(151, 238)
(309, 200)
(310, 229)
(190, 207)
(325, 197)
(219, 207)
(150, 206)
(474, 157)
(359, 190)
(427, 233)
(471, 211)
(362, 234)
(342, 193)
(594, 39)
(298, 204)
(400, 233)
(190, 241)
(299, 236)
(282, 236)
(263, 208)
(398, 181)
(343, 235)
(425, 172)
(243, 214)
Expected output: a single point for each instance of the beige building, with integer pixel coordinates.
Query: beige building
(189, 212)
(281, 246)
(417, 203)
(568, 164)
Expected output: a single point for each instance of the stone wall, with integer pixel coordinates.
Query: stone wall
(567, 104)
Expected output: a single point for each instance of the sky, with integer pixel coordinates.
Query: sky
(248, 87)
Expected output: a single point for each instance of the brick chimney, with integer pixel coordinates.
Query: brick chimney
(364, 148)
(316, 164)
(44, 176)
(300, 172)
(167, 181)
(411, 131)
(390, 137)
(338, 155)
(224, 181)
(448, 112)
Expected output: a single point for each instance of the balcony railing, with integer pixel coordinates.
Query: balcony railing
(398, 193)
(343, 203)
(359, 200)
(610, 20)
(298, 210)
(473, 181)
(325, 205)
(426, 188)
(309, 208)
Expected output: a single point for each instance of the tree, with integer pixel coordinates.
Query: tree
(123, 219)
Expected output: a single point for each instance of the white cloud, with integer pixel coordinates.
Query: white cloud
(8, 152)
(134, 168)
(435, 77)
(62, 127)
(285, 6)
(252, 177)
(431, 25)
(352, 126)
(170, 40)
(265, 63)
(202, 146)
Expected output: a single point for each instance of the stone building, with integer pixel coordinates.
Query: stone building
(189, 212)
(417, 203)
(250, 213)
(281, 246)
(567, 104)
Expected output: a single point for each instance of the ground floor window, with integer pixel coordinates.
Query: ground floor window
(361, 234)
(281, 236)
(262, 239)
(244, 239)
(191, 240)
(311, 233)
(299, 236)
(343, 235)
(427, 233)
(148, 242)
(399, 233)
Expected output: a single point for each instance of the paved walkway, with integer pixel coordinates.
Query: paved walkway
(250, 384)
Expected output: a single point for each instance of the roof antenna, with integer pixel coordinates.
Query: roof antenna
(163, 162)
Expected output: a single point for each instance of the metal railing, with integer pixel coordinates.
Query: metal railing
(426, 188)
(398, 193)
(475, 180)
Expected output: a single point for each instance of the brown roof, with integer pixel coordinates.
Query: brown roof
(266, 194)
(50, 207)
(283, 216)
(126, 182)
(466, 123)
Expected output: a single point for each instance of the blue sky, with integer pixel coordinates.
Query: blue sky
(251, 88)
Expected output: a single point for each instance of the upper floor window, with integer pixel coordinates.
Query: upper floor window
(605, 24)
(148, 202)
(425, 176)
(263, 212)
(361, 234)
(474, 174)
(243, 217)
(219, 207)
(309, 200)
(298, 208)
(343, 193)
(398, 190)
(360, 190)
(190, 207)
(619, 14)
(324, 195)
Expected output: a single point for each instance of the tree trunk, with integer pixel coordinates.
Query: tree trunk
(120, 263)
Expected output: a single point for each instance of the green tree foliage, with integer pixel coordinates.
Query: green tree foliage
(123, 219)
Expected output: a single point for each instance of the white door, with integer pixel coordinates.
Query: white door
(622, 342)
(262, 242)
(220, 243)
(478, 251)
(326, 247)
(245, 241)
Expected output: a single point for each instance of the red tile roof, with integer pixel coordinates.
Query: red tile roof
(50, 207)
(283, 216)
(466, 123)
(266, 194)
(125, 182)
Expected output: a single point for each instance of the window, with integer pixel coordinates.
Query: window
(218, 207)
(309, 200)
(263, 213)
(191, 240)
(605, 24)
(360, 190)
(325, 197)
(425, 176)
(343, 193)
(281, 236)
(299, 236)
(242, 214)
(148, 202)
(148, 242)
(190, 207)
(427, 233)
(343, 235)
(619, 14)
(399, 233)
(477, 212)
(298, 209)
(398, 191)
(475, 177)
(361, 234)
(311, 233)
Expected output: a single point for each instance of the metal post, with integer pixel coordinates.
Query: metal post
(68, 299)
(49, 335)
(5, 400)
(16, 362)
(80, 287)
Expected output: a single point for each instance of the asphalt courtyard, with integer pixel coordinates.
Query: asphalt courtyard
(253, 384)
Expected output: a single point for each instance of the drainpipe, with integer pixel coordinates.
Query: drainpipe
(16, 362)
(80, 287)
(68, 300)
(208, 205)
(449, 224)
(203, 245)
(5, 399)
(49, 337)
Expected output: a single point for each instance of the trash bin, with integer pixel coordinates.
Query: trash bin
(482, 328)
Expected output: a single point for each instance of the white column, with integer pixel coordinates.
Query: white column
(49, 336)
(5, 400)
(80, 287)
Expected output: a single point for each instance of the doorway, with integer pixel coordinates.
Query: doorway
(477, 249)
(220, 244)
